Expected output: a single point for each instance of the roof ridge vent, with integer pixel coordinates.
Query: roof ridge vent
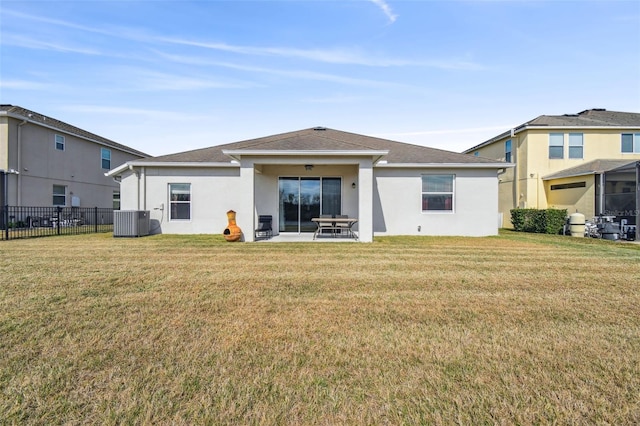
(587, 111)
(319, 129)
(570, 115)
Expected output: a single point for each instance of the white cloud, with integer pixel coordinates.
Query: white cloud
(324, 55)
(501, 129)
(156, 114)
(23, 85)
(29, 43)
(136, 79)
(455, 139)
(162, 81)
(290, 73)
(333, 56)
(336, 99)
(386, 9)
(58, 22)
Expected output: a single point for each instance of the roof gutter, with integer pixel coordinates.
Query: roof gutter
(587, 173)
(446, 165)
(131, 164)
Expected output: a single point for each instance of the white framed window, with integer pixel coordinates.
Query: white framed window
(630, 143)
(59, 142)
(105, 158)
(59, 195)
(556, 145)
(438, 192)
(180, 201)
(507, 151)
(576, 145)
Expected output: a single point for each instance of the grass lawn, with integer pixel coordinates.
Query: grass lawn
(514, 329)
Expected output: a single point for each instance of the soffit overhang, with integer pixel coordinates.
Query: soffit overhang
(375, 155)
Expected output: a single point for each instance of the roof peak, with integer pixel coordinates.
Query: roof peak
(588, 111)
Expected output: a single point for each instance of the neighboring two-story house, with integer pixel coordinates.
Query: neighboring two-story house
(45, 162)
(586, 162)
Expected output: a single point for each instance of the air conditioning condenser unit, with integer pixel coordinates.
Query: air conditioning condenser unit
(131, 223)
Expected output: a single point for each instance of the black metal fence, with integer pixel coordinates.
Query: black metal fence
(27, 222)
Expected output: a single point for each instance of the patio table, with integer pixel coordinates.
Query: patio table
(335, 224)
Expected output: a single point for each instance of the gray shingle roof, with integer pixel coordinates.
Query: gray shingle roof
(589, 168)
(589, 118)
(323, 139)
(64, 127)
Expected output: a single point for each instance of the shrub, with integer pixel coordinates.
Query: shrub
(549, 221)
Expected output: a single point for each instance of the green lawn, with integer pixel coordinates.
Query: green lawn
(514, 329)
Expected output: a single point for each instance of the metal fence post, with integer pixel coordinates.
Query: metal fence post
(95, 219)
(5, 221)
(58, 211)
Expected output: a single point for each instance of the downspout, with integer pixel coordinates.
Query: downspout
(516, 169)
(19, 165)
(143, 171)
(137, 173)
(500, 213)
(531, 175)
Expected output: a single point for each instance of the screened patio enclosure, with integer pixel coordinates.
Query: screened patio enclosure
(618, 193)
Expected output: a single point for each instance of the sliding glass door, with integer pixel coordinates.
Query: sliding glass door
(303, 198)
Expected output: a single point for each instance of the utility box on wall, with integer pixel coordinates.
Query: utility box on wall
(131, 223)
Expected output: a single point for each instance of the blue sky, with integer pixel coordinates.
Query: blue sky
(169, 76)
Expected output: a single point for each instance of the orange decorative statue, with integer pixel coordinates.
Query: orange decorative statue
(233, 232)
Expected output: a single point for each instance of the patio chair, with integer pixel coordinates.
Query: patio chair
(264, 226)
(342, 227)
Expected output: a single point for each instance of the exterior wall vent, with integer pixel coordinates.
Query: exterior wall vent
(130, 223)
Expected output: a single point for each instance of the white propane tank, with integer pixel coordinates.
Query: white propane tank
(576, 224)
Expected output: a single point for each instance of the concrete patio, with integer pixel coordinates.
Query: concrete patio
(305, 238)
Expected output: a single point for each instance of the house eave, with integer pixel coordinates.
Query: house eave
(552, 177)
(445, 165)
(180, 164)
(237, 154)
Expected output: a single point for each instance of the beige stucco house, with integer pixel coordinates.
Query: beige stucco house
(47, 162)
(581, 162)
(392, 188)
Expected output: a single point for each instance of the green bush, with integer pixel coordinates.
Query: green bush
(555, 220)
(549, 221)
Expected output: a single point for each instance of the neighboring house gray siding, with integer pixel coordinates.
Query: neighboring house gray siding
(48, 152)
